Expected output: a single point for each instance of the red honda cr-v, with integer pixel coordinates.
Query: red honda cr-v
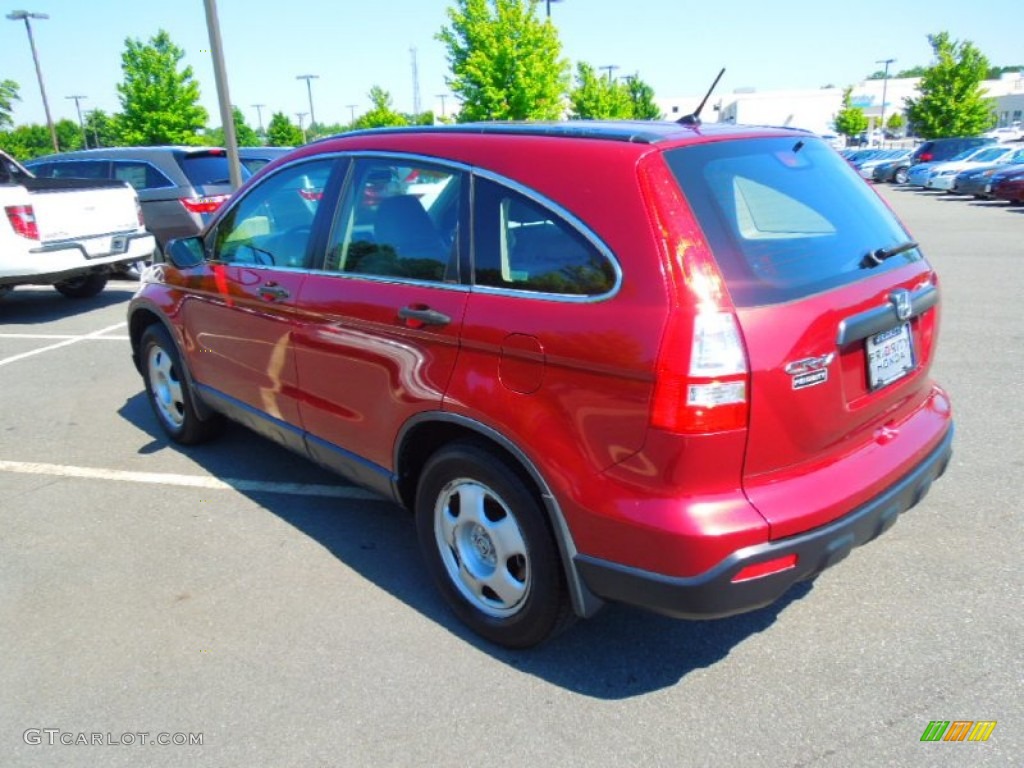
(682, 367)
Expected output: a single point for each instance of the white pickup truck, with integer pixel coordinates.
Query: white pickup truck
(68, 233)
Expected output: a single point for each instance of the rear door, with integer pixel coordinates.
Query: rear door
(838, 312)
(382, 317)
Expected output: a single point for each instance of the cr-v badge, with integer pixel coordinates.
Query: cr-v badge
(810, 370)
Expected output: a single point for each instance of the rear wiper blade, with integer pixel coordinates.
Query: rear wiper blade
(874, 258)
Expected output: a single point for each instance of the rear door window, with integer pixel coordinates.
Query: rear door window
(204, 168)
(786, 218)
(140, 175)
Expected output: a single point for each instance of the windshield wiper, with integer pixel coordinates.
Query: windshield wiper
(875, 258)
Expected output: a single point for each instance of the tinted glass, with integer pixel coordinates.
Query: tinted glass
(272, 225)
(524, 246)
(786, 218)
(398, 220)
(140, 175)
(201, 170)
(81, 169)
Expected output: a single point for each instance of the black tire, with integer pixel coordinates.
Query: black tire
(504, 541)
(901, 176)
(83, 286)
(168, 390)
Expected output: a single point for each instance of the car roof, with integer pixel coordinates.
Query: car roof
(111, 153)
(634, 131)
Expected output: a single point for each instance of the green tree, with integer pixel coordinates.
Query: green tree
(69, 135)
(851, 121)
(895, 123)
(8, 95)
(244, 133)
(159, 99)
(26, 141)
(282, 132)
(952, 101)
(382, 114)
(642, 96)
(598, 98)
(506, 64)
(101, 129)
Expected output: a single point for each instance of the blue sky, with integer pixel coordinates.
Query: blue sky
(352, 45)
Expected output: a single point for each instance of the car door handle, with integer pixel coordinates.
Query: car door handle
(273, 292)
(425, 316)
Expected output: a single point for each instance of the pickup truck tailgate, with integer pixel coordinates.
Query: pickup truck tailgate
(73, 208)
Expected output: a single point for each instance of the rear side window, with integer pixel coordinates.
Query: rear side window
(203, 169)
(522, 245)
(81, 169)
(140, 175)
(786, 218)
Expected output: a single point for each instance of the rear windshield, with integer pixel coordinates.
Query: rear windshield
(786, 218)
(205, 169)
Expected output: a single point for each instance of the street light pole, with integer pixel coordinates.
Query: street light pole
(549, 2)
(442, 97)
(309, 89)
(25, 16)
(885, 86)
(81, 123)
(352, 110)
(220, 76)
(301, 115)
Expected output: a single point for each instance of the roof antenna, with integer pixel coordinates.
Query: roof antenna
(694, 119)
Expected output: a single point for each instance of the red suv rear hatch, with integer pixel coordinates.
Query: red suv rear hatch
(838, 312)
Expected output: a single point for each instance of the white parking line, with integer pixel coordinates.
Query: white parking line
(67, 342)
(61, 336)
(188, 481)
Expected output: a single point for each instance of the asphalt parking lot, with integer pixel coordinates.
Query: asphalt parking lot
(238, 596)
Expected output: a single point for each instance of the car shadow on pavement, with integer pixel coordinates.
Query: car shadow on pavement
(37, 305)
(620, 653)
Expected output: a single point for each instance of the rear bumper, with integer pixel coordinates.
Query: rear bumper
(54, 261)
(714, 594)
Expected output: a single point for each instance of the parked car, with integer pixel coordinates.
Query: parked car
(688, 392)
(179, 187)
(943, 175)
(976, 181)
(254, 158)
(68, 233)
(866, 169)
(894, 171)
(935, 150)
(919, 173)
(1008, 185)
(1006, 133)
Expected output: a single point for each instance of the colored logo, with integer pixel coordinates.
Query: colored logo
(958, 730)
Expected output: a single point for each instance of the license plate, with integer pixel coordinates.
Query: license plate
(890, 355)
(106, 246)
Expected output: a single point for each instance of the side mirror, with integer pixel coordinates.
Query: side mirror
(185, 252)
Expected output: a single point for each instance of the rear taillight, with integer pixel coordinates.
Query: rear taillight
(926, 157)
(23, 220)
(701, 372)
(207, 204)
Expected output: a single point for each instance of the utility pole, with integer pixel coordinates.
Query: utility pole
(352, 111)
(442, 97)
(549, 2)
(415, 83)
(611, 68)
(220, 76)
(259, 115)
(25, 16)
(309, 88)
(81, 123)
(302, 128)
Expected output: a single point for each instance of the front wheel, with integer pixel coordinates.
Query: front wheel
(901, 176)
(83, 286)
(168, 390)
(488, 547)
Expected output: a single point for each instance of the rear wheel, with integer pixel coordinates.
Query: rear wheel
(83, 286)
(168, 390)
(900, 176)
(488, 547)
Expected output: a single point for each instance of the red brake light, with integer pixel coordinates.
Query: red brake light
(926, 157)
(23, 220)
(701, 373)
(207, 204)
